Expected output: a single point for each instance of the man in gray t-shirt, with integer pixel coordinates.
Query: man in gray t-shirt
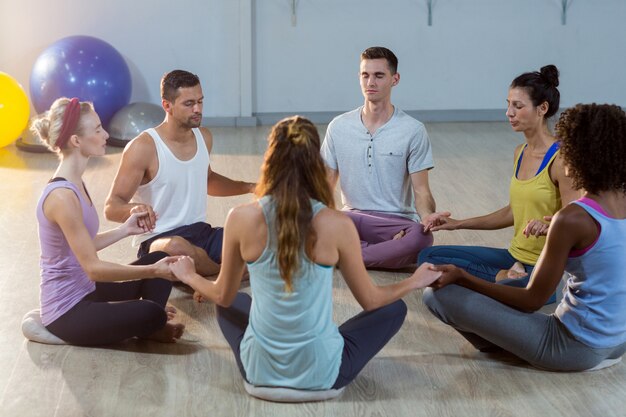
(381, 157)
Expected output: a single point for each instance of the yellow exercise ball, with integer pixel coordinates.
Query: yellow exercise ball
(14, 109)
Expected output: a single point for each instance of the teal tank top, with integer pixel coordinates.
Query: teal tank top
(291, 340)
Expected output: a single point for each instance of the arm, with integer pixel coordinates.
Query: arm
(133, 169)
(130, 227)
(223, 290)
(566, 185)
(567, 193)
(369, 295)
(425, 202)
(332, 176)
(497, 220)
(63, 208)
(570, 229)
(221, 186)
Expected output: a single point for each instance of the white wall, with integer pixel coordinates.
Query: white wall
(464, 61)
(154, 36)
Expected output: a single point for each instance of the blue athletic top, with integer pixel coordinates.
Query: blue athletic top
(594, 302)
(546, 158)
(291, 340)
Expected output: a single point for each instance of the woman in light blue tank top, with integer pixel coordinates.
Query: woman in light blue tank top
(587, 239)
(290, 240)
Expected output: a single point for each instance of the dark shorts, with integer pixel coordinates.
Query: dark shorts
(199, 234)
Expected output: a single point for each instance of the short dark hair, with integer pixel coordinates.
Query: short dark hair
(541, 86)
(593, 145)
(380, 52)
(173, 80)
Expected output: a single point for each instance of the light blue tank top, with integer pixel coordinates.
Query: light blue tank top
(291, 340)
(594, 302)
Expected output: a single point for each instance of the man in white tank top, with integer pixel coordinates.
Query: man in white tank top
(162, 172)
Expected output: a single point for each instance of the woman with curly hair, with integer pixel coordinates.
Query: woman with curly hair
(587, 238)
(538, 188)
(290, 239)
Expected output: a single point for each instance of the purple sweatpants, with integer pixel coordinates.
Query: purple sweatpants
(376, 232)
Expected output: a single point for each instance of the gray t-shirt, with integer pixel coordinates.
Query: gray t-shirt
(374, 171)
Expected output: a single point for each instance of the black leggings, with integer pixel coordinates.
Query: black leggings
(116, 311)
(364, 335)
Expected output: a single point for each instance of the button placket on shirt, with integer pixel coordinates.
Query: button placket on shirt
(369, 152)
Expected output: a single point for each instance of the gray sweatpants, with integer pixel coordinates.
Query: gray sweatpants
(538, 338)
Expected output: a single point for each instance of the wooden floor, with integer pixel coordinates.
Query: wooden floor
(426, 370)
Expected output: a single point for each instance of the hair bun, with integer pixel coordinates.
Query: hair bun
(550, 73)
(295, 133)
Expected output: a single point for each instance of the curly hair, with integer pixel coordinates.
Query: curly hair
(293, 173)
(593, 145)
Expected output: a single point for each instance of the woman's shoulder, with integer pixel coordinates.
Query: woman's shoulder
(329, 219)
(246, 211)
(571, 217)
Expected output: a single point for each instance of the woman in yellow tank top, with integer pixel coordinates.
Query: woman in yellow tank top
(538, 188)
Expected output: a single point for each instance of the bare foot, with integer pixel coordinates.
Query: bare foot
(399, 235)
(198, 298)
(516, 271)
(171, 312)
(169, 333)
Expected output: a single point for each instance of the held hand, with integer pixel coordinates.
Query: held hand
(147, 220)
(425, 275)
(132, 225)
(537, 227)
(435, 219)
(446, 223)
(450, 274)
(183, 268)
(163, 268)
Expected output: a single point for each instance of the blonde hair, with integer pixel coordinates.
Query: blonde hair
(48, 125)
(293, 173)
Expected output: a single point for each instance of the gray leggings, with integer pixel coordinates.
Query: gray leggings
(538, 338)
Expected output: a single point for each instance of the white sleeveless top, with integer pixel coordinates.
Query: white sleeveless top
(178, 191)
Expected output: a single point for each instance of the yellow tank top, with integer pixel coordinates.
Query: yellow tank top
(531, 199)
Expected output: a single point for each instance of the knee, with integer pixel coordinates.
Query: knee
(435, 300)
(152, 258)
(428, 298)
(425, 255)
(173, 245)
(395, 311)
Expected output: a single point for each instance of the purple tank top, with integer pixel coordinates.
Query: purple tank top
(63, 281)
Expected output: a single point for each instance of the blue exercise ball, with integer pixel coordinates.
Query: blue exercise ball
(83, 67)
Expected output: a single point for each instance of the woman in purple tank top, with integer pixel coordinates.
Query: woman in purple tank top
(85, 300)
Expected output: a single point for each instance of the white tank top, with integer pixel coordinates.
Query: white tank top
(178, 191)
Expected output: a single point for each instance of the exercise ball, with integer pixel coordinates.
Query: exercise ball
(83, 67)
(14, 109)
(133, 119)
